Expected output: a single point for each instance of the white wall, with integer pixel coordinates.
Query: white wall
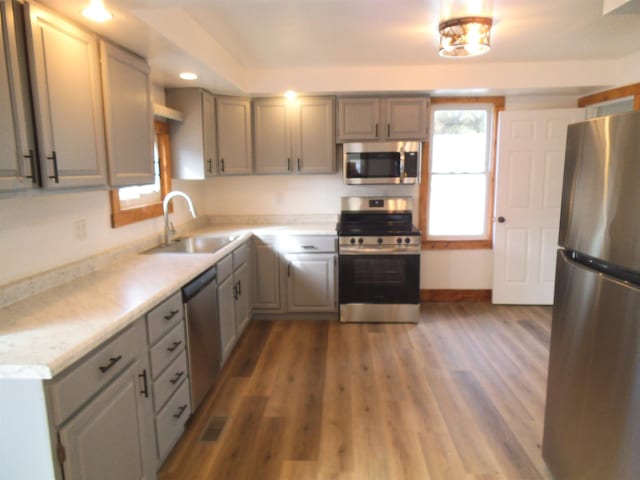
(44, 231)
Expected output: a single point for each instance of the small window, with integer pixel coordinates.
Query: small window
(134, 204)
(459, 184)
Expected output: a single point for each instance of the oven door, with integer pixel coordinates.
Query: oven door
(379, 279)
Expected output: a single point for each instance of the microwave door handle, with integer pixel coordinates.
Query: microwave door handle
(402, 168)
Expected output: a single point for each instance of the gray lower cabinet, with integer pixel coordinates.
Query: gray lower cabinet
(311, 282)
(234, 297)
(108, 439)
(169, 379)
(102, 409)
(295, 274)
(266, 273)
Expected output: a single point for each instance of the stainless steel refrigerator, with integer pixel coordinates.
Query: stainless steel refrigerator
(592, 414)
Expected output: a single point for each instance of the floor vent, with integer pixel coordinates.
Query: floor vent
(214, 429)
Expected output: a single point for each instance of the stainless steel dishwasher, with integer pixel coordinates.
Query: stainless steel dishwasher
(203, 333)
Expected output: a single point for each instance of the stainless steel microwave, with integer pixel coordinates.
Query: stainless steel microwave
(382, 162)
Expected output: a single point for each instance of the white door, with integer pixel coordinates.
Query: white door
(531, 146)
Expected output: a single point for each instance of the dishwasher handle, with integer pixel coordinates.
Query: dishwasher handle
(192, 288)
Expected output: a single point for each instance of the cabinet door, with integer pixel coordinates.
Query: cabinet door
(407, 118)
(243, 295)
(272, 139)
(233, 116)
(311, 283)
(16, 138)
(193, 141)
(266, 276)
(358, 118)
(113, 437)
(65, 79)
(128, 117)
(226, 314)
(209, 134)
(314, 134)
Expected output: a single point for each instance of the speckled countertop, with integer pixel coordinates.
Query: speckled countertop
(42, 335)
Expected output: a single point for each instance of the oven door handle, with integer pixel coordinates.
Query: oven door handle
(391, 249)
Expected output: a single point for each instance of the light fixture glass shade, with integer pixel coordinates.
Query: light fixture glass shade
(465, 37)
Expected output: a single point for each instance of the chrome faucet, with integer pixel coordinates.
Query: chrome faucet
(169, 230)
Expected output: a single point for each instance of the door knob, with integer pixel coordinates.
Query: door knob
(501, 219)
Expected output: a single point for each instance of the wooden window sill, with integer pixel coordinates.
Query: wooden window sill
(457, 245)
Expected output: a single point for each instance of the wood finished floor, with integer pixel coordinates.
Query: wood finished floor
(460, 396)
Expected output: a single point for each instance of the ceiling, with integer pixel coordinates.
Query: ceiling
(228, 41)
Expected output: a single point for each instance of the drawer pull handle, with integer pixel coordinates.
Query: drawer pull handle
(145, 385)
(180, 411)
(112, 362)
(171, 314)
(309, 247)
(178, 376)
(174, 345)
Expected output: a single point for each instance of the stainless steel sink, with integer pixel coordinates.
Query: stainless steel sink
(194, 245)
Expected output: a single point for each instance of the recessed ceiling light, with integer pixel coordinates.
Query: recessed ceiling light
(188, 76)
(97, 12)
(290, 94)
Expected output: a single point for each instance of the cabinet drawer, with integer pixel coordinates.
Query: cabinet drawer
(308, 244)
(95, 371)
(169, 381)
(164, 317)
(240, 255)
(171, 419)
(224, 267)
(167, 349)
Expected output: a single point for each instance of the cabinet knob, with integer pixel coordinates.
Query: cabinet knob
(501, 219)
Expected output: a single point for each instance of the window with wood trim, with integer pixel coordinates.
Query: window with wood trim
(456, 194)
(134, 204)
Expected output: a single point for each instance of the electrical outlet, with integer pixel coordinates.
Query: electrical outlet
(80, 229)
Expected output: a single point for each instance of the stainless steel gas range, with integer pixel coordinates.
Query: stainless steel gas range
(379, 260)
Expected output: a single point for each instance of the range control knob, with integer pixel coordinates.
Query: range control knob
(352, 241)
(360, 240)
(399, 240)
(379, 241)
(407, 240)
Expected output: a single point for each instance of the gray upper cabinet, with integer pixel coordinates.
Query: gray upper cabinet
(313, 135)
(388, 118)
(126, 90)
(272, 135)
(193, 140)
(358, 118)
(17, 171)
(233, 117)
(65, 80)
(294, 137)
(407, 118)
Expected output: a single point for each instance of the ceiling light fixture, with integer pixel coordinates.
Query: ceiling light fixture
(188, 76)
(465, 37)
(290, 94)
(97, 12)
